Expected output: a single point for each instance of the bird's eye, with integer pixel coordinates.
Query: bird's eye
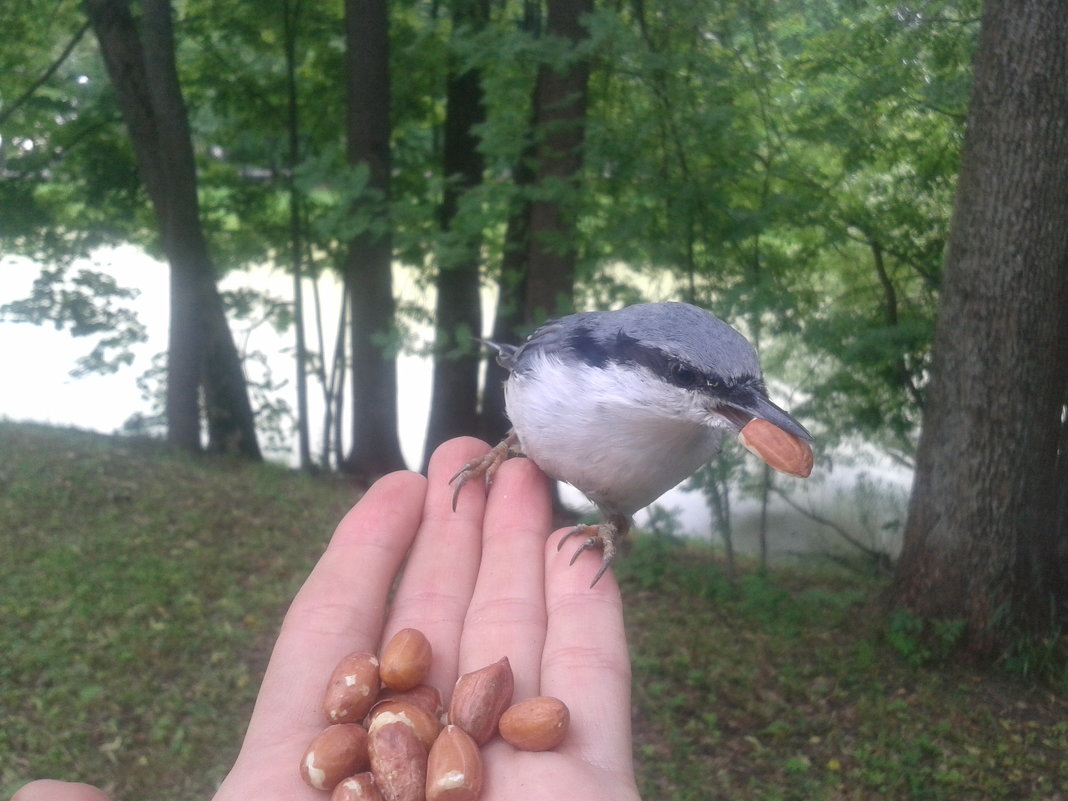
(683, 376)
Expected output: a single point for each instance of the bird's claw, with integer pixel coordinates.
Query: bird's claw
(603, 536)
(485, 465)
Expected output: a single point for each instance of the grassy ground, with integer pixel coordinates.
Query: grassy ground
(142, 591)
(785, 687)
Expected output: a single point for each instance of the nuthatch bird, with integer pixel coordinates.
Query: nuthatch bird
(625, 404)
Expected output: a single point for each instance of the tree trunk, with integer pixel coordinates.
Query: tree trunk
(458, 308)
(201, 349)
(291, 11)
(508, 321)
(375, 445)
(1060, 549)
(231, 422)
(560, 121)
(539, 263)
(980, 538)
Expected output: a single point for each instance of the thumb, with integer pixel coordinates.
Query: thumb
(51, 790)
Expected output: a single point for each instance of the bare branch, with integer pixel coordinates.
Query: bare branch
(880, 559)
(44, 76)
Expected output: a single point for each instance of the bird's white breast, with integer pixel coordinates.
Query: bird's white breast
(620, 435)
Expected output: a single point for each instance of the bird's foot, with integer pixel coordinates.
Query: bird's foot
(486, 465)
(602, 535)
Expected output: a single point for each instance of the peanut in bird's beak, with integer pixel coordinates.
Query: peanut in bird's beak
(782, 450)
(772, 434)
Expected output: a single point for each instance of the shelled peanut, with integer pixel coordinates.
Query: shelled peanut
(386, 741)
(406, 660)
(480, 698)
(780, 449)
(340, 750)
(454, 767)
(536, 724)
(352, 688)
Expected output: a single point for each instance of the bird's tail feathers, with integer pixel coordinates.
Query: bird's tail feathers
(505, 353)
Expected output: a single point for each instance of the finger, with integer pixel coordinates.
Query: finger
(342, 604)
(51, 790)
(506, 616)
(439, 577)
(339, 609)
(585, 661)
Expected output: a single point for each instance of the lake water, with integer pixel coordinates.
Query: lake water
(865, 498)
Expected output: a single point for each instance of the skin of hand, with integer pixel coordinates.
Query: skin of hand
(481, 582)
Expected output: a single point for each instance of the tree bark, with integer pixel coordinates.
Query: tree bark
(1060, 550)
(375, 445)
(560, 124)
(201, 351)
(980, 538)
(458, 307)
(508, 322)
(539, 263)
(291, 14)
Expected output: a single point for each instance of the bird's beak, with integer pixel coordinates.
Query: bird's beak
(758, 405)
(779, 439)
(762, 407)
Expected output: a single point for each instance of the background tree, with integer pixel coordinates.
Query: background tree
(369, 263)
(291, 16)
(201, 351)
(274, 194)
(458, 303)
(980, 540)
(560, 101)
(540, 255)
(790, 168)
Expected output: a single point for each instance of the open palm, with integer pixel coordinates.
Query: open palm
(481, 582)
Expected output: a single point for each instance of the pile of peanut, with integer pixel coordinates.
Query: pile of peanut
(388, 739)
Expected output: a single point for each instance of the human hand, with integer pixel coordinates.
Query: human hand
(481, 582)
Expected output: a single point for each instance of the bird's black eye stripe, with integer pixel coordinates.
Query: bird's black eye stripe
(625, 349)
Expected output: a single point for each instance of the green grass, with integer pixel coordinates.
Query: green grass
(786, 687)
(140, 597)
(142, 591)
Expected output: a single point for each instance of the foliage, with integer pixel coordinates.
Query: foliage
(88, 304)
(920, 641)
(144, 590)
(789, 165)
(275, 420)
(70, 183)
(714, 480)
(792, 167)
